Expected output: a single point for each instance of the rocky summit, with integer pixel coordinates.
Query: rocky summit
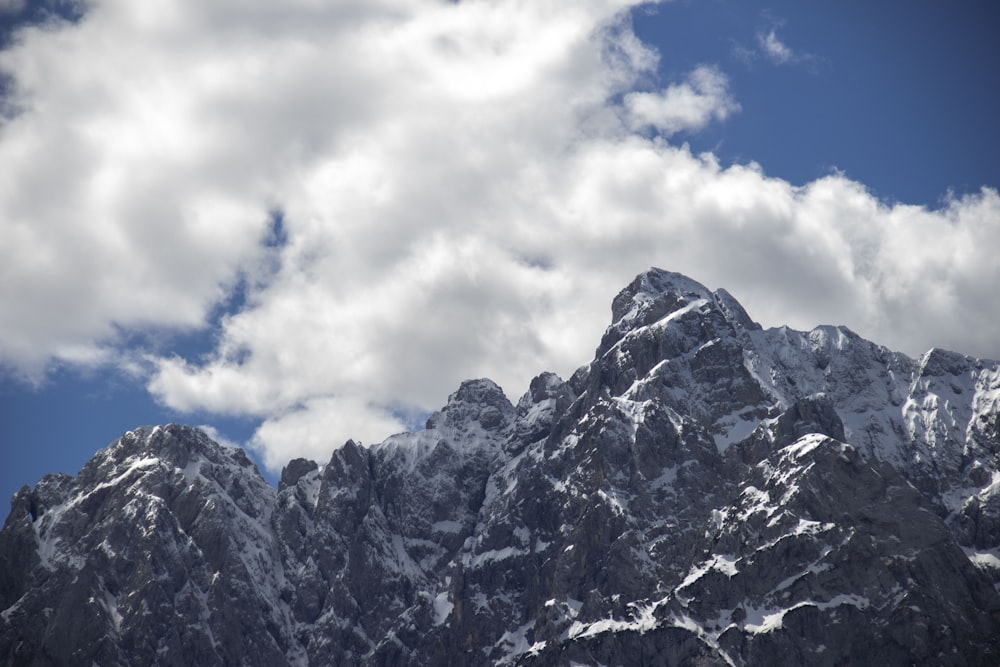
(704, 492)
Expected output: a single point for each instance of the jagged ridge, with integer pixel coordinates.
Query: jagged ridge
(703, 492)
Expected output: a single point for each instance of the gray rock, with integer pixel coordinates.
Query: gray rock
(704, 492)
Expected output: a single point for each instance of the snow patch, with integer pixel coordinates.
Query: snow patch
(515, 643)
(311, 484)
(724, 563)
(111, 606)
(442, 608)
(613, 501)
(634, 410)
(642, 621)
(760, 620)
(757, 500)
(732, 428)
(804, 445)
(984, 559)
(447, 526)
(493, 555)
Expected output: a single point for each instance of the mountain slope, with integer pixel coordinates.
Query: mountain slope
(703, 492)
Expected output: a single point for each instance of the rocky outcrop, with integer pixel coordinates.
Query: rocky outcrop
(157, 553)
(703, 492)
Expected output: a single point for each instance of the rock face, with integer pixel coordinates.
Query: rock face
(704, 492)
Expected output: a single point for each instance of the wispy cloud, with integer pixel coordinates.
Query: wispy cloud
(770, 47)
(464, 187)
(774, 49)
(689, 105)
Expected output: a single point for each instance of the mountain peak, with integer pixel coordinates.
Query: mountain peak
(173, 445)
(666, 300)
(481, 401)
(653, 294)
(656, 294)
(937, 362)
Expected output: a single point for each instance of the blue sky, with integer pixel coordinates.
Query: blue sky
(896, 94)
(460, 190)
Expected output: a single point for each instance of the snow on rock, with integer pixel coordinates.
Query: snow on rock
(704, 491)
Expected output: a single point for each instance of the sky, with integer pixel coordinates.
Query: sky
(297, 223)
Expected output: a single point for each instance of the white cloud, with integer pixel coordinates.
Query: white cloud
(217, 436)
(317, 427)
(690, 105)
(462, 196)
(774, 48)
(11, 6)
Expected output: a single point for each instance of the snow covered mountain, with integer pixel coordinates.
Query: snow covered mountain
(704, 492)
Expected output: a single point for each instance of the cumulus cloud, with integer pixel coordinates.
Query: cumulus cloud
(462, 188)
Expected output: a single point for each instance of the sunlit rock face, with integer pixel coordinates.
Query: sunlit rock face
(703, 492)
